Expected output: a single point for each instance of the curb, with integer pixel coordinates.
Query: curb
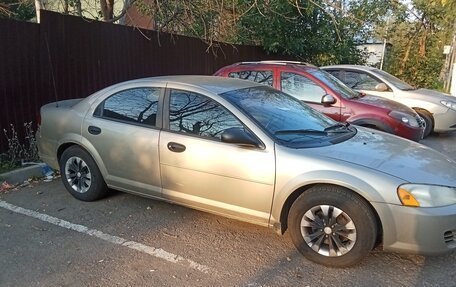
(20, 175)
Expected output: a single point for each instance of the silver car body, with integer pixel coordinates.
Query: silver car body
(256, 185)
(429, 100)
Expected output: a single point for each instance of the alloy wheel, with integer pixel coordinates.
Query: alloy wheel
(78, 174)
(328, 230)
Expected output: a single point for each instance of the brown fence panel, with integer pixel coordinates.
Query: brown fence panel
(69, 57)
(20, 84)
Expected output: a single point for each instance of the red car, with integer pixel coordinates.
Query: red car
(327, 94)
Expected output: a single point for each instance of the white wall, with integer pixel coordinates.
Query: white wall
(375, 52)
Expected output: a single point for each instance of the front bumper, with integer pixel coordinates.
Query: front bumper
(426, 231)
(411, 133)
(445, 122)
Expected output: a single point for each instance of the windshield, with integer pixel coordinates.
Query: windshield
(401, 85)
(334, 83)
(286, 119)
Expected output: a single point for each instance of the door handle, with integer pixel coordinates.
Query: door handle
(176, 147)
(94, 130)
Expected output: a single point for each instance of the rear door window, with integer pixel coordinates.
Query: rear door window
(138, 106)
(262, 77)
(360, 81)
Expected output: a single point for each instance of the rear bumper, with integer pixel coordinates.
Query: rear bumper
(426, 231)
(47, 151)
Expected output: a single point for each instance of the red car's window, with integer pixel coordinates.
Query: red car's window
(262, 77)
(301, 87)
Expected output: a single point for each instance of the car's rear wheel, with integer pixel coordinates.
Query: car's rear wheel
(332, 226)
(80, 175)
(428, 121)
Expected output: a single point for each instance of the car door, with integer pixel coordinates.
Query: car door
(366, 83)
(200, 171)
(309, 91)
(123, 133)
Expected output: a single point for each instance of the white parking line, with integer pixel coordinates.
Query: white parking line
(156, 252)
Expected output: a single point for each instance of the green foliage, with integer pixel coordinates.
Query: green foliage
(17, 9)
(317, 31)
(300, 29)
(418, 40)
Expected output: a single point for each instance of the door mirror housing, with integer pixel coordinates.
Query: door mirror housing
(240, 137)
(328, 100)
(382, 87)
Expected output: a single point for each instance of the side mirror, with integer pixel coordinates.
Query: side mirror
(328, 100)
(382, 87)
(239, 136)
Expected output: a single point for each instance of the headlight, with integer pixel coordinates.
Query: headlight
(404, 118)
(449, 104)
(420, 195)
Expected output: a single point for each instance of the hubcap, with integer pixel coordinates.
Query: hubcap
(328, 230)
(78, 174)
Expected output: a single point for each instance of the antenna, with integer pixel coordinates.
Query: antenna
(52, 70)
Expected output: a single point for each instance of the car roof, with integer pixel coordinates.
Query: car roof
(346, 66)
(214, 84)
(301, 65)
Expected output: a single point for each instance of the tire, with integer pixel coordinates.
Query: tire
(429, 121)
(81, 175)
(354, 221)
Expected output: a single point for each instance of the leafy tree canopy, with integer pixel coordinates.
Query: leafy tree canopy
(17, 9)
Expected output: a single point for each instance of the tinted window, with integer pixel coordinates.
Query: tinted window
(137, 105)
(335, 73)
(301, 87)
(262, 77)
(334, 83)
(360, 81)
(198, 115)
(393, 80)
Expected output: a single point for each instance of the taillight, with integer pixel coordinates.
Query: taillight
(38, 119)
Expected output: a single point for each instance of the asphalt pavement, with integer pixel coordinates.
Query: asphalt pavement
(48, 238)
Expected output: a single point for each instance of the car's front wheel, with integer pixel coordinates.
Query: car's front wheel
(428, 121)
(80, 175)
(332, 226)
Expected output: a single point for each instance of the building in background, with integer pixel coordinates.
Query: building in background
(376, 50)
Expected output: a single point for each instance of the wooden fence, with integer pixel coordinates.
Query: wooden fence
(69, 57)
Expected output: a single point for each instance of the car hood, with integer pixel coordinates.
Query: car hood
(384, 103)
(395, 156)
(427, 94)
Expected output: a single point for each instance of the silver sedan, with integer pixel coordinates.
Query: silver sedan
(246, 151)
(437, 109)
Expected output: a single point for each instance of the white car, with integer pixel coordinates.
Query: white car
(437, 109)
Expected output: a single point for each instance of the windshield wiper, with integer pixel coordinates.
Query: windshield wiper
(303, 131)
(339, 128)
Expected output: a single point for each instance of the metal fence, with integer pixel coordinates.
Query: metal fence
(69, 57)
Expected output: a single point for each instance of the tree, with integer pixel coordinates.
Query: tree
(418, 34)
(17, 9)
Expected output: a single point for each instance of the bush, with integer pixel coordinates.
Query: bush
(19, 151)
